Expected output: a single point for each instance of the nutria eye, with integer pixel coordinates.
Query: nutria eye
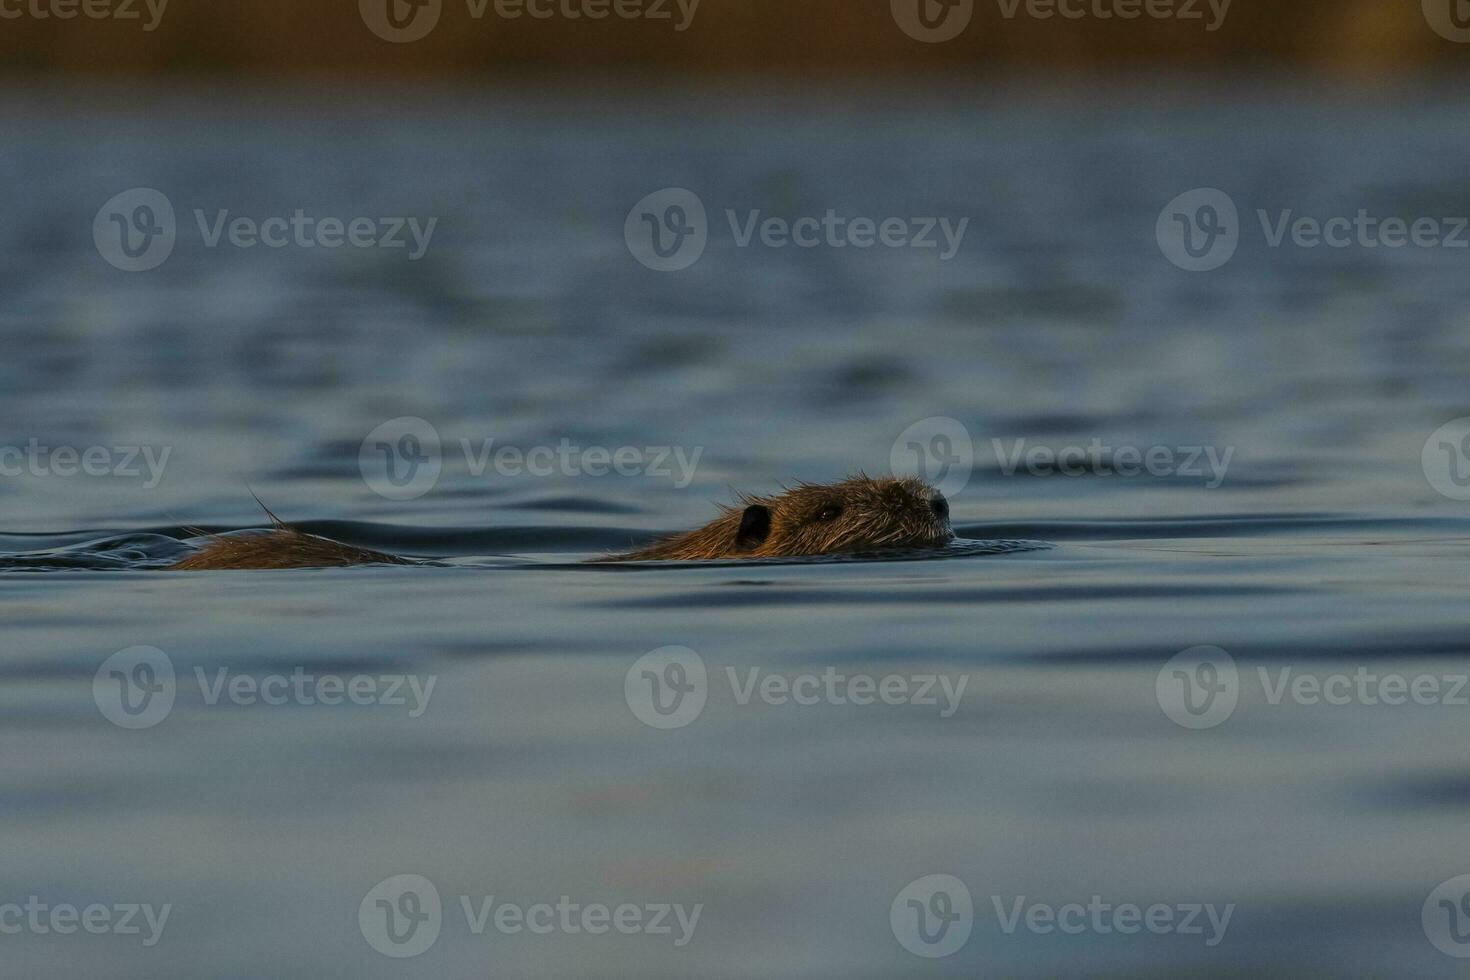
(829, 513)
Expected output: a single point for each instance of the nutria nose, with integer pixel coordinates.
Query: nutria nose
(940, 506)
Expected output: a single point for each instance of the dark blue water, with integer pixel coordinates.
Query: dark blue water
(1323, 548)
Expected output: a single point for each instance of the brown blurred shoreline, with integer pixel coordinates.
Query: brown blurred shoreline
(815, 38)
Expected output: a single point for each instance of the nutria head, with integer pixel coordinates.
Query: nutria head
(857, 515)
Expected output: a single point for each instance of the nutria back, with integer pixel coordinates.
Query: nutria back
(281, 546)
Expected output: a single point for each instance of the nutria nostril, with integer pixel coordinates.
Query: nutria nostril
(940, 506)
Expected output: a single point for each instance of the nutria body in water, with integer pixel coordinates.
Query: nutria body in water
(852, 517)
(282, 546)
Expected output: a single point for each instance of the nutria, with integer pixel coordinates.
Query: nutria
(858, 515)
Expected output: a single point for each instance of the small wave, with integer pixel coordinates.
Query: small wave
(160, 548)
(113, 553)
(959, 548)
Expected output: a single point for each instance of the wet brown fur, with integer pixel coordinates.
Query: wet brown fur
(859, 514)
(281, 546)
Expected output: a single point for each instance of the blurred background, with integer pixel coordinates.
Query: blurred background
(808, 38)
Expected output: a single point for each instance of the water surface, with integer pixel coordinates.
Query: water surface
(1324, 549)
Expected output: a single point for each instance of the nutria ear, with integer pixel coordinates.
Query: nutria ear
(755, 524)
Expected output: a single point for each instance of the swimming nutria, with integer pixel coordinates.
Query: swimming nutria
(859, 514)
